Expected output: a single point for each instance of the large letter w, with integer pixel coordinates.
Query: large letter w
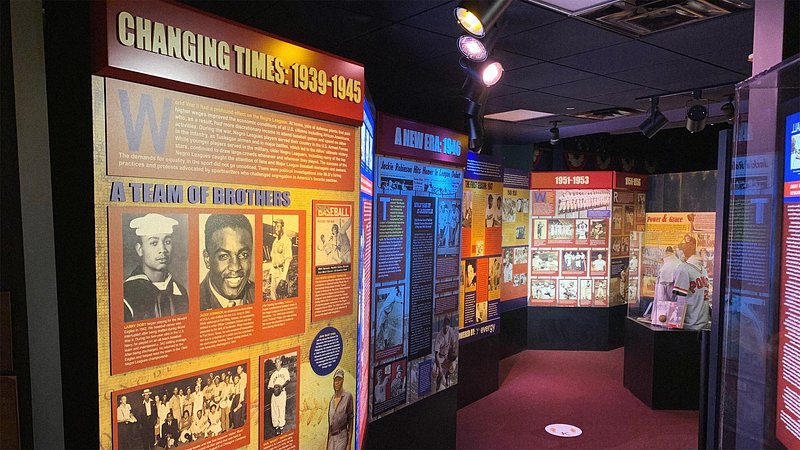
(146, 109)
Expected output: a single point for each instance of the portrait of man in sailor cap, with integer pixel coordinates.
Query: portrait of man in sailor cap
(150, 290)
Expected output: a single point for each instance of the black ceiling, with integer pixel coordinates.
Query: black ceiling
(554, 63)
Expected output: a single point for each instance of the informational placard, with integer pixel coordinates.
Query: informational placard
(788, 382)
(170, 44)
(212, 219)
(417, 224)
(680, 234)
(580, 227)
(516, 239)
(481, 247)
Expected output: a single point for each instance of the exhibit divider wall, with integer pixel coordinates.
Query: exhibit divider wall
(481, 247)
(516, 240)
(417, 247)
(580, 225)
(226, 276)
(365, 264)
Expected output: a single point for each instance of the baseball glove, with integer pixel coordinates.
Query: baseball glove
(277, 389)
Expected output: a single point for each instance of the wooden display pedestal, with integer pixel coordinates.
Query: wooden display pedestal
(563, 328)
(662, 366)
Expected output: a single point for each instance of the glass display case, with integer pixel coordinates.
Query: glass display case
(683, 242)
(757, 275)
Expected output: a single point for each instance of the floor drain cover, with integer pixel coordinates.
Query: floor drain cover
(563, 430)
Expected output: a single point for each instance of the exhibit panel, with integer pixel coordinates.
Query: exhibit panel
(481, 247)
(788, 429)
(581, 224)
(222, 318)
(417, 248)
(756, 277)
(516, 239)
(365, 278)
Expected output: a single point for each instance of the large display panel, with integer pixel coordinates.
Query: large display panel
(365, 280)
(788, 428)
(481, 247)
(757, 317)
(581, 224)
(223, 319)
(417, 238)
(516, 239)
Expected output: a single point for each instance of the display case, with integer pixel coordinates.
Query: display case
(671, 239)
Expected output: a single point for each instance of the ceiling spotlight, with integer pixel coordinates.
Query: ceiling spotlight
(472, 48)
(491, 74)
(488, 73)
(655, 121)
(729, 110)
(555, 135)
(478, 16)
(696, 113)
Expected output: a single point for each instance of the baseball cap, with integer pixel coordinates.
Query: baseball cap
(338, 374)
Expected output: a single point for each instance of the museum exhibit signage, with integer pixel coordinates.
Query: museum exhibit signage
(168, 45)
(788, 385)
(227, 227)
(417, 244)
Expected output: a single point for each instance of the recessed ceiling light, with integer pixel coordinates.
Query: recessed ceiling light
(517, 115)
(572, 6)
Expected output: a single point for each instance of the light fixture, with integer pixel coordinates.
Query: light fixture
(491, 73)
(696, 113)
(488, 73)
(476, 94)
(729, 110)
(555, 135)
(478, 16)
(475, 133)
(472, 48)
(655, 121)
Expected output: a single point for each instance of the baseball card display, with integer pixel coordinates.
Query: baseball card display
(213, 216)
(417, 250)
(579, 226)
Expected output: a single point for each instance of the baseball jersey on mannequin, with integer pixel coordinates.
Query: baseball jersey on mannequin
(665, 284)
(691, 283)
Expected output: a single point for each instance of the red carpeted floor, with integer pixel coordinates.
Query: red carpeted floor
(542, 387)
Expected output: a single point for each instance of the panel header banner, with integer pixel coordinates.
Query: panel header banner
(171, 45)
(409, 139)
(589, 180)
